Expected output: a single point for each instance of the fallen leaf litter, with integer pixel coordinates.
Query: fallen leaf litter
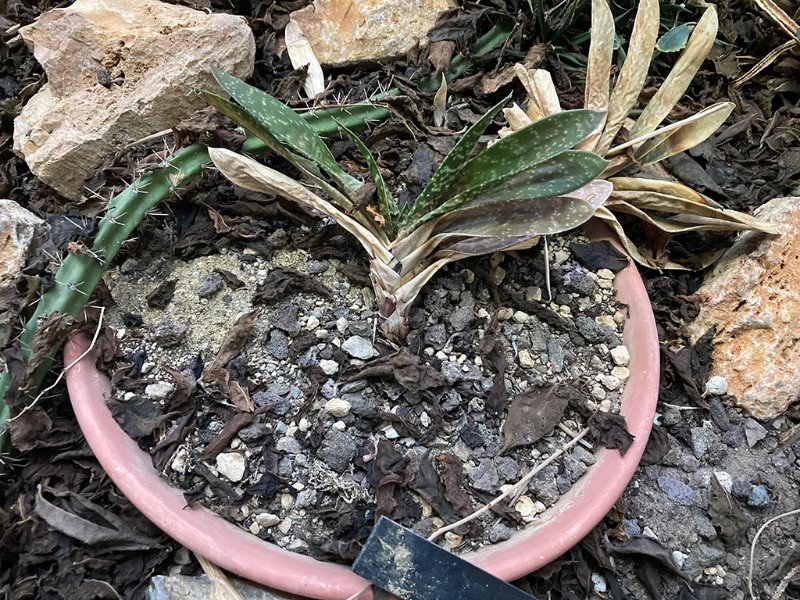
(306, 424)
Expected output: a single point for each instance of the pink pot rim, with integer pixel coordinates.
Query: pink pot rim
(201, 531)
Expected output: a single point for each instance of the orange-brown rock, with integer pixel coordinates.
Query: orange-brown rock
(753, 297)
(344, 32)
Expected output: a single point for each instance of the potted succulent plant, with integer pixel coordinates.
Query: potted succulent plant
(471, 207)
(544, 189)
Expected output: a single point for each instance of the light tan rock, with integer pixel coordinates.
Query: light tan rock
(753, 297)
(344, 32)
(154, 54)
(21, 232)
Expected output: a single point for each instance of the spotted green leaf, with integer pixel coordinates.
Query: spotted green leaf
(560, 174)
(454, 162)
(289, 128)
(529, 146)
(388, 206)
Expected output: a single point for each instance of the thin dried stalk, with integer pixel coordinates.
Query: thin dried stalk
(510, 491)
(765, 62)
(221, 586)
(778, 15)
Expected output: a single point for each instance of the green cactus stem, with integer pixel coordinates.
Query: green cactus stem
(79, 274)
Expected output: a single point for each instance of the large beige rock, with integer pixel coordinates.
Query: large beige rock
(154, 54)
(344, 32)
(753, 296)
(21, 233)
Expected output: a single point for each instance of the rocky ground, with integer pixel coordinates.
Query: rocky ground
(712, 510)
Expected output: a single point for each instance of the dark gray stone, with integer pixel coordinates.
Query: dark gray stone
(507, 468)
(315, 267)
(573, 468)
(360, 402)
(451, 371)
(337, 450)
(555, 352)
(702, 439)
(631, 527)
(754, 432)
(210, 284)
(286, 318)
(759, 497)
(462, 317)
(278, 344)
(499, 533)
(253, 433)
(578, 281)
(436, 336)
(484, 477)
(306, 498)
(168, 334)
(702, 556)
(677, 491)
(285, 467)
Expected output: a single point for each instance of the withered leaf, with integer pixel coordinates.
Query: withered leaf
(181, 398)
(451, 475)
(229, 431)
(657, 446)
(29, 427)
(727, 514)
(531, 416)
(280, 282)
(599, 255)
(162, 295)
(427, 484)
(648, 548)
(405, 368)
(231, 280)
(137, 417)
(611, 431)
(388, 468)
(269, 485)
(236, 339)
(77, 517)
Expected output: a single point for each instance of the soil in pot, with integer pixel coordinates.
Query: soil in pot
(315, 425)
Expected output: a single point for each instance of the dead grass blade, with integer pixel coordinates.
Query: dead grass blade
(598, 67)
(778, 15)
(680, 76)
(765, 62)
(221, 586)
(440, 103)
(634, 71)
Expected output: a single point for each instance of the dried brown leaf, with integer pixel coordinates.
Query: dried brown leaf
(681, 75)
(633, 73)
(532, 416)
(598, 67)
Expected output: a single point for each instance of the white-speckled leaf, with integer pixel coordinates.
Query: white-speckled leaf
(453, 162)
(633, 73)
(289, 128)
(387, 204)
(538, 142)
(559, 175)
(598, 66)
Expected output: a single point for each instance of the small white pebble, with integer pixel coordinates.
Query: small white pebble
(620, 356)
(598, 392)
(526, 361)
(339, 426)
(504, 314)
(337, 407)
(312, 323)
(605, 274)
(329, 367)
(717, 386)
(621, 373)
(521, 317)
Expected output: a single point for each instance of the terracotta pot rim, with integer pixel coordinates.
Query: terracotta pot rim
(240, 552)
